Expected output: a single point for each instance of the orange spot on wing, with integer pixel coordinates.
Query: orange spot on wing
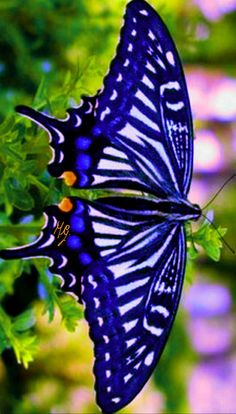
(69, 177)
(65, 205)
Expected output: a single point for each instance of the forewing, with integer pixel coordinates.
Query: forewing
(137, 133)
(144, 106)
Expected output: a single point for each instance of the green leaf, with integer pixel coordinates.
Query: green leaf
(71, 312)
(19, 197)
(3, 340)
(6, 126)
(189, 271)
(49, 292)
(21, 340)
(41, 93)
(25, 347)
(210, 239)
(68, 306)
(24, 321)
(9, 271)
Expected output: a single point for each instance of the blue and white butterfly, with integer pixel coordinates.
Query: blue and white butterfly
(124, 257)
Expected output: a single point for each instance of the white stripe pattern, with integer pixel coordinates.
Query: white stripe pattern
(130, 305)
(100, 179)
(169, 85)
(122, 290)
(104, 253)
(115, 152)
(114, 95)
(150, 67)
(105, 164)
(130, 325)
(175, 106)
(136, 113)
(138, 246)
(106, 112)
(148, 82)
(124, 268)
(132, 133)
(105, 229)
(106, 242)
(143, 98)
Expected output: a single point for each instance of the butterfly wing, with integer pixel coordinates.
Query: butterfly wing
(144, 106)
(130, 301)
(66, 239)
(126, 265)
(137, 133)
(81, 158)
(75, 152)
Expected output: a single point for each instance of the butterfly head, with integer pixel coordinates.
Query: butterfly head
(197, 212)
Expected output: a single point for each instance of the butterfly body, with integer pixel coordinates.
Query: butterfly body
(124, 256)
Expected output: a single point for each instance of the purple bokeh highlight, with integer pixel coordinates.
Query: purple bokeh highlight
(208, 152)
(215, 9)
(212, 95)
(208, 300)
(212, 387)
(211, 336)
(210, 326)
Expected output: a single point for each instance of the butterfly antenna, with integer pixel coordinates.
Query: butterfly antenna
(221, 237)
(219, 191)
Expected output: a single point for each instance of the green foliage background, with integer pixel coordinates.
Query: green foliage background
(52, 53)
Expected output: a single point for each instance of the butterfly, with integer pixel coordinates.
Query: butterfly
(124, 256)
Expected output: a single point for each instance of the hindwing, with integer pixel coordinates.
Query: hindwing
(130, 304)
(127, 266)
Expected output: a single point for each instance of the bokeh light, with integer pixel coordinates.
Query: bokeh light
(208, 152)
(214, 10)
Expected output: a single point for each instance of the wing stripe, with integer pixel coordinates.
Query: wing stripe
(129, 326)
(123, 289)
(104, 253)
(101, 242)
(102, 179)
(105, 164)
(105, 229)
(143, 98)
(137, 114)
(129, 266)
(150, 67)
(100, 216)
(130, 305)
(138, 246)
(146, 80)
(115, 152)
(137, 237)
(132, 134)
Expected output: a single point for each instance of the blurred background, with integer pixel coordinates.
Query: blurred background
(51, 53)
